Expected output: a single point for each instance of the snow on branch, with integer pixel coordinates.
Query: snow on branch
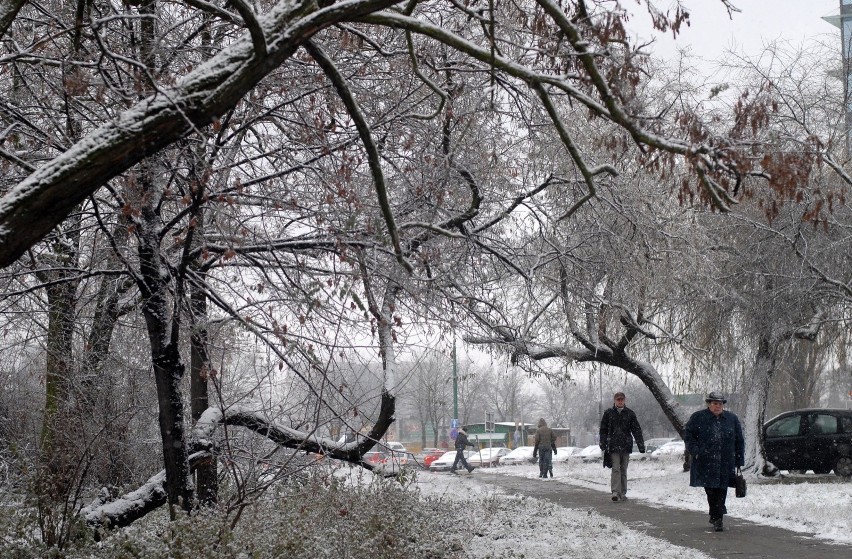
(37, 204)
(123, 511)
(292, 438)
(130, 507)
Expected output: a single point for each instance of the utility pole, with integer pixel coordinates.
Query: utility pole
(455, 380)
(600, 392)
(454, 422)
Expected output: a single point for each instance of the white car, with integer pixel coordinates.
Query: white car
(445, 462)
(674, 449)
(636, 455)
(521, 455)
(591, 453)
(399, 454)
(657, 443)
(396, 446)
(565, 453)
(487, 456)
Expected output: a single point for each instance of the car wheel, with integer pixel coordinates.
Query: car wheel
(843, 467)
(821, 470)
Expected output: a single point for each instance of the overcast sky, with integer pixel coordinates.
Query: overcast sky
(759, 22)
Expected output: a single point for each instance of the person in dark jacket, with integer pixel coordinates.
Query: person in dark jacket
(619, 427)
(545, 447)
(461, 443)
(715, 443)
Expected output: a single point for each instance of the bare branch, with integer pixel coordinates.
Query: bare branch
(373, 157)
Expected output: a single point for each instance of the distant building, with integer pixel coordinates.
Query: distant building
(843, 21)
(504, 432)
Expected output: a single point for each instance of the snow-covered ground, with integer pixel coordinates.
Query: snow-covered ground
(820, 505)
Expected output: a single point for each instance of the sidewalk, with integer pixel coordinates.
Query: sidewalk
(741, 539)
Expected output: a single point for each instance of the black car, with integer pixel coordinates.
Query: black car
(811, 439)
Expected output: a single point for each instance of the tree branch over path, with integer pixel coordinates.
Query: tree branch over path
(602, 353)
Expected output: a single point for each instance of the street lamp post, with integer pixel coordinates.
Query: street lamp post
(455, 380)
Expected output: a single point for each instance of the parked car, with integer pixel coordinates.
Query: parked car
(445, 462)
(565, 453)
(811, 439)
(487, 457)
(658, 442)
(429, 455)
(396, 446)
(521, 455)
(399, 454)
(649, 449)
(591, 453)
(375, 456)
(673, 449)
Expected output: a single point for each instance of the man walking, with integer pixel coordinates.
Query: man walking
(714, 440)
(461, 443)
(545, 447)
(619, 427)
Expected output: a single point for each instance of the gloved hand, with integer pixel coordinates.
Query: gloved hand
(641, 450)
(554, 450)
(603, 448)
(535, 453)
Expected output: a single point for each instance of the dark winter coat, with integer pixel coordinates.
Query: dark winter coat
(618, 429)
(461, 441)
(717, 447)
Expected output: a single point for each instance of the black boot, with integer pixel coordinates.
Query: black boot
(717, 525)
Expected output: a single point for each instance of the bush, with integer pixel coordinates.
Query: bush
(326, 516)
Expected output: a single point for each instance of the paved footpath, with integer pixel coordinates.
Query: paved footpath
(741, 538)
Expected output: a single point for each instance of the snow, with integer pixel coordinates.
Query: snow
(814, 504)
(213, 417)
(139, 499)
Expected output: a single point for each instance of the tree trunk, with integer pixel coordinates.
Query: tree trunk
(758, 393)
(163, 325)
(57, 439)
(168, 373)
(200, 371)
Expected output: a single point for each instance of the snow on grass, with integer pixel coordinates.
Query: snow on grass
(501, 526)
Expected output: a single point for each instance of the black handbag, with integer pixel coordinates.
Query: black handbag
(740, 485)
